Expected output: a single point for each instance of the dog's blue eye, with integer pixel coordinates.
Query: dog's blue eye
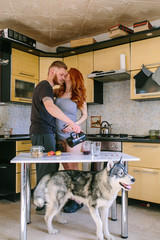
(121, 173)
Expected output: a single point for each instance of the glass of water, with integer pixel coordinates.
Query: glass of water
(97, 148)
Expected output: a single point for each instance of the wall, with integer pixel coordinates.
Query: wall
(127, 116)
(16, 116)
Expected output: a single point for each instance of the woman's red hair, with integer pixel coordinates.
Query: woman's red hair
(78, 89)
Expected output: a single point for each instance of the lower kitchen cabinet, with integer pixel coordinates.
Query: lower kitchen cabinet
(24, 146)
(146, 171)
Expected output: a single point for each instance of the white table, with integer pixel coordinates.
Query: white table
(25, 160)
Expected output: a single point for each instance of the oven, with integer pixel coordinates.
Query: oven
(111, 146)
(22, 88)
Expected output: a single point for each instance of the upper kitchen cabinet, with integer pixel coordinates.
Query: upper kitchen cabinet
(44, 65)
(25, 64)
(71, 61)
(109, 58)
(141, 88)
(84, 63)
(145, 52)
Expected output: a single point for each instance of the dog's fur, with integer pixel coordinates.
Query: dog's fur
(97, 190)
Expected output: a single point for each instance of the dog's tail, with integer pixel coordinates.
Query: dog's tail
(39, 192)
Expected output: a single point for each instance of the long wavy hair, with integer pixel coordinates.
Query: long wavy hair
(78, 94)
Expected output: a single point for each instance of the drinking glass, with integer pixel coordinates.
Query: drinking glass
(97, 148)
(86, 147)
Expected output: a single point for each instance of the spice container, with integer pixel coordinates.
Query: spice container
(158, 133)
(37, 151)
(153, 134)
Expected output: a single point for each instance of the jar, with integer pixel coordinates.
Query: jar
(158, 133)
(37, 151)
(153, 134)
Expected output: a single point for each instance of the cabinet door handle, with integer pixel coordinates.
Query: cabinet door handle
(27, 74)
(26, 100)
(150, 95)
(141, 171)
(145, 146)
(26, 143)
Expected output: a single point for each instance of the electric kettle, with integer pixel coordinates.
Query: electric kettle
(76, 138)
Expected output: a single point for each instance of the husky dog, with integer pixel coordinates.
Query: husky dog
(97, 190)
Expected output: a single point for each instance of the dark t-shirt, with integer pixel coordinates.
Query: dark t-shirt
(41, 121)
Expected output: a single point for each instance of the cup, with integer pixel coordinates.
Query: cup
(7, 133)
(86, 147)
(97, 148)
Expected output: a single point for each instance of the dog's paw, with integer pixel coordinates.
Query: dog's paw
(108, 237)
(52, 231)
(62, 221)
(39, 202)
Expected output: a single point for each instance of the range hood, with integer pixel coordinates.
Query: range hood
(114, 75)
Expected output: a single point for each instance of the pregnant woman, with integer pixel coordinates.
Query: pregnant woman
(70, 97)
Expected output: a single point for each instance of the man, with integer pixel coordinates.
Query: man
(44, 112)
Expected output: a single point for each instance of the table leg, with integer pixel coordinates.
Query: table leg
(124, 211)
(114, 211)
(23, 226)
(28, 165)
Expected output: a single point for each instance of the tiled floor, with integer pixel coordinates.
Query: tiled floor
(144, 224)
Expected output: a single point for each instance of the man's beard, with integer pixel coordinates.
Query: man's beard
(55, 80)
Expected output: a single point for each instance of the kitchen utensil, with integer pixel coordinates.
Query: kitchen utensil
(106, 129)
(37, 151)
(76, 138)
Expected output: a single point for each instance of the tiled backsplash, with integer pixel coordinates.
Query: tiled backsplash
(125, 115)
(15, 116)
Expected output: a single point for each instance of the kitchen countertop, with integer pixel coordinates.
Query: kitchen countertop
(123, 139)
(20, 137)
(16, 137)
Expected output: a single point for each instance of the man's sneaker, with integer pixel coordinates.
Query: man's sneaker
(72, 206)
(41, 211)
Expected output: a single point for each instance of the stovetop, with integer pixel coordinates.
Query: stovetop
(111, 135)
(119, 135)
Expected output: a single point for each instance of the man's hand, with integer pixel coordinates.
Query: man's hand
(76, 128)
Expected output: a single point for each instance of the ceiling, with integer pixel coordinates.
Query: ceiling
(55, 22)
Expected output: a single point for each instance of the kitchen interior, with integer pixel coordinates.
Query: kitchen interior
(123, 112)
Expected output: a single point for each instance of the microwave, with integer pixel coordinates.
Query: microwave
(22, 88)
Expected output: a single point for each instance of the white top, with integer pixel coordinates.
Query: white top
(72, 157)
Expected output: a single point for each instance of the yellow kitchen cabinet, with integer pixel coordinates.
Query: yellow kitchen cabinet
(25, 64)
(85, 66)
(44, 64)
(145, 52)
(84, 63)
(24, 146)
(71, 61)
(147, 184)
(148, 91)
(109, 58)
(146, 171)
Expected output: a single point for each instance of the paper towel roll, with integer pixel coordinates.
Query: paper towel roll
(122, 61)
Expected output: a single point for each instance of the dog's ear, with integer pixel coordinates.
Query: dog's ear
(109, 165)
(120, 161)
